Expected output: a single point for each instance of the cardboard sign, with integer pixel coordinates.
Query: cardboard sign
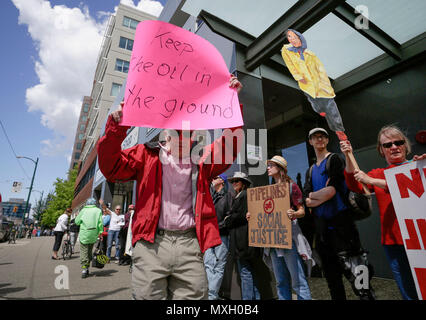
(407, 185)
(269, 225)
(176, 76)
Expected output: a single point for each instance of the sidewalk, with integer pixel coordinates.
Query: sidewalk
(28, 272)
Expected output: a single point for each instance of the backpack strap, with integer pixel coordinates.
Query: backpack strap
(327, 167)
(327, 164)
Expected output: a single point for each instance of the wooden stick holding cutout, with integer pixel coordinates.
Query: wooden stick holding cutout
(351, 157)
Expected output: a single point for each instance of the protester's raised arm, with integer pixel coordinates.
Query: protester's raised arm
(114, 163)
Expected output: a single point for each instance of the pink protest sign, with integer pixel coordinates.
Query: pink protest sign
(176, 76)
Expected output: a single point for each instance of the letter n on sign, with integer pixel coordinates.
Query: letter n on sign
(406, 185)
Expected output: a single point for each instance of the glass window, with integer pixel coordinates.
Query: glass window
(130, 23)
(81, 136)
(115, 89)
(122, 66)
(126, 43)
(77, 155)
(82, 126)
(336, 49)
(254, 17)
(78, 146)
(84, 118)
(402, 20)
(126, 22)
(297, 155)
(86, 107)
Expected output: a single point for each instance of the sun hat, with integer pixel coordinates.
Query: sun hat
(279, 161)
(240, 176)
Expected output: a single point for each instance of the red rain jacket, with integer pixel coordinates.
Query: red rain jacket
(142, 163)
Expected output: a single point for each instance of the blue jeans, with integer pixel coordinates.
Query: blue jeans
(249, 290)
(113, 235)
(214, 263)
(289, 273)
(401, 271)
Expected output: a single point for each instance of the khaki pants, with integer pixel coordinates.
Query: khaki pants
(86, 254)
(170, 268)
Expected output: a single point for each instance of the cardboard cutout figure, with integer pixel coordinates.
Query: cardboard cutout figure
(312, 78)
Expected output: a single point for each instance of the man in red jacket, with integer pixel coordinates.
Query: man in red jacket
(174, 221)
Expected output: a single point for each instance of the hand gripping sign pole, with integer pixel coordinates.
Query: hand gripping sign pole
(355, 165)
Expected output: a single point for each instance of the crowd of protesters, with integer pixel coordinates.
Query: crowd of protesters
(187, 234)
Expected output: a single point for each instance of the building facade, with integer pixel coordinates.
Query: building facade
(375, 59)
(112, 68)
(14, 209)
(377, 71)
(109, 79)
(80, 140)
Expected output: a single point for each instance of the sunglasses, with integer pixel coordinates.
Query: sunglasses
(397, 143)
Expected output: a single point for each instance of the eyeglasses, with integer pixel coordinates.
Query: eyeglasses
(397, 143)
(118, 209)
(318, 136)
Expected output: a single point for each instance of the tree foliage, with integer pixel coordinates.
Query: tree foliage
(60, 199)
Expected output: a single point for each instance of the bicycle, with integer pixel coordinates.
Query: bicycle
(12, 236)
(67, 246)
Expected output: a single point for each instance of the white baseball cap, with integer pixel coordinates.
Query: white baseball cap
(315, 130)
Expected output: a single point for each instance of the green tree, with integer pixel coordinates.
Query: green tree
(61, 199)
(41, 206)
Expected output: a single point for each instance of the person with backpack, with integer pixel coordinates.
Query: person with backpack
(337, 239)
(394, 146)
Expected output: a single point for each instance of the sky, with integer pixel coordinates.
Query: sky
(49, 53)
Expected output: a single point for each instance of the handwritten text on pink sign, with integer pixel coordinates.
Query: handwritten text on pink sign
(174, 76)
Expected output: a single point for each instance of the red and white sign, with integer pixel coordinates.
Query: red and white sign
(176, 76)
(407, 184)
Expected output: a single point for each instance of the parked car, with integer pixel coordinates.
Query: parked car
(5, 228)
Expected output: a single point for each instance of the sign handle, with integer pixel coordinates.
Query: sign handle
(355, 164)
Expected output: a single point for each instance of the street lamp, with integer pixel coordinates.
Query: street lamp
(31, 186)
(39, 203)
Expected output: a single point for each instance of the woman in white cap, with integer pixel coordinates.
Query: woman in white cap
(287, 264)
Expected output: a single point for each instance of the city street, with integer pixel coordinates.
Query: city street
(28, 272)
